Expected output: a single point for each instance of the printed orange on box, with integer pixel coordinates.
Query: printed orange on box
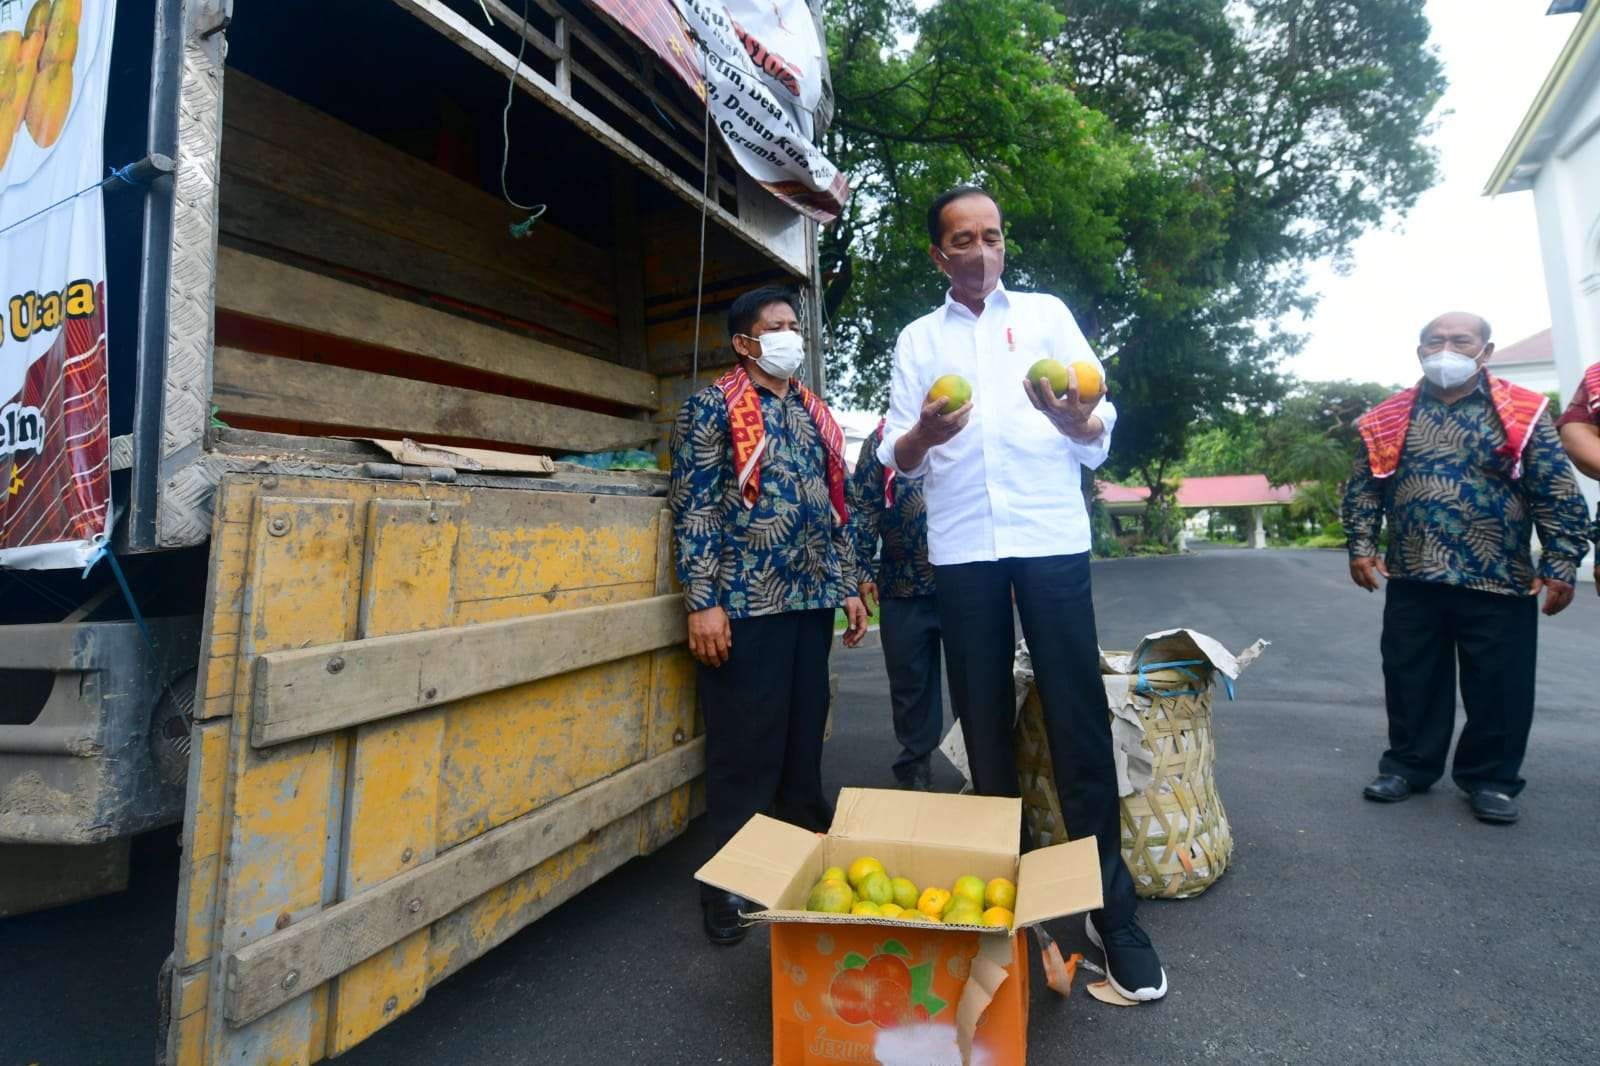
(889, 996)
(858, 989)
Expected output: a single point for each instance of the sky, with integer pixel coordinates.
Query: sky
(1457, 249)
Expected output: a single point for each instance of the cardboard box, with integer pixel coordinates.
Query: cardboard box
(894, 992)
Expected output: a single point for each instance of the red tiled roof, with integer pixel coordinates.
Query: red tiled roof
(1534, 350)
(1233, 490)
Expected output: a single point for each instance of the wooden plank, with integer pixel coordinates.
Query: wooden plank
(283, 808)
(250, 285)
(394, 766)
(329, 943)
(672, 706)
(629, 259)
(513, 751)
(315, 690)
(269, 387)
(390, 190)
(567, 541)
(477, 44)
(497, 915)
(265, 218)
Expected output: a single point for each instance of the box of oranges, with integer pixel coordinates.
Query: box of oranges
(894, 935)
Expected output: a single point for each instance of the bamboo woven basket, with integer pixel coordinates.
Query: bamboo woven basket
(1175, 834)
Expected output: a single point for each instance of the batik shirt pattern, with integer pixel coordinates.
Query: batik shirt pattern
(901, 528)
(1455, 514)
(787, 552)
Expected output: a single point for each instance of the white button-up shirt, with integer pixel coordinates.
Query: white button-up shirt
(1008, 485)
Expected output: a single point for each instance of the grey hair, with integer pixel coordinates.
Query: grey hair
(1484, 331)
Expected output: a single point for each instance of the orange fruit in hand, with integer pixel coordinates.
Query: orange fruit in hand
(1091, 382)
(953, 389)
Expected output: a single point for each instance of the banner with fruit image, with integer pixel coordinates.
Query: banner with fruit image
(54, 413)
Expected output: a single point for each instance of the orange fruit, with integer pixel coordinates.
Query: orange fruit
(953, 389)
(1000, 893)
(861, 868)
(963, 912)
(933, 901)
(890, 910)
(970, 889)
(999, 917)
(831, 897)
(48, 104)
(1054, 371)
(905, 893)
(877, 888)
(1091, 382)
(866, 909)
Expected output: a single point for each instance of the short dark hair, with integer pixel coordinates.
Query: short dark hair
(747, 307)
(945, 199)
(1483, 327)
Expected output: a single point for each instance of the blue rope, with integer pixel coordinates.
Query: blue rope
(1144, 688)
(127, 593)
(116, 173)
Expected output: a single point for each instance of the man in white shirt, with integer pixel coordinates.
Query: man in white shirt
(1006, 517)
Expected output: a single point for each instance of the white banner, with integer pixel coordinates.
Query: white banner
(762, 111)
(54, 424)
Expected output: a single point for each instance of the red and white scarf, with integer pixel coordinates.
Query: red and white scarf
(748, 432)
(888, 471)
(1384, 427)
(1591, 385)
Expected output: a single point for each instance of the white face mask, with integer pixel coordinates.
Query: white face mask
(781, 353)
(1450, 370)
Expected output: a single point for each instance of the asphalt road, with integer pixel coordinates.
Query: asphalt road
(1342, 932)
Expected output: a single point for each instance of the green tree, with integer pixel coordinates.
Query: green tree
(1168, 167)
(1313, 435)
(1305, 122)
(975, 97)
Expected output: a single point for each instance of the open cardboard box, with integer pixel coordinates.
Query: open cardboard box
(966, 1001)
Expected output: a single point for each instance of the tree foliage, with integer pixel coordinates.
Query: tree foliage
(1168, 167)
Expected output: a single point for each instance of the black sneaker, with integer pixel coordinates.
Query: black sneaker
(1132, 966)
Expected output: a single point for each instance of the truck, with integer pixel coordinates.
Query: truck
(403, 657)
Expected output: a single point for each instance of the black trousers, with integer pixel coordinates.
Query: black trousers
(1428, 629)
(909, 629)
(1057, 612)
(765, 710)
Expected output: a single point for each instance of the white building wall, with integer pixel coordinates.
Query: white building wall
(1567, 196)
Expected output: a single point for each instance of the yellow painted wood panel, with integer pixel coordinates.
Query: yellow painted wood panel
(394, 765)
(510, 752)
(496, 915)
(562, 541)
(283, 805)
(202, 842)
(503, 607)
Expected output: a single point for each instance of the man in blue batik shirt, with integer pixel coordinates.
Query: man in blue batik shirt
(765, 559)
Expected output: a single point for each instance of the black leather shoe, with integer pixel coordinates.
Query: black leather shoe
(1388, 788)
(720, 910)
(918, 777)
(1493, 807)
